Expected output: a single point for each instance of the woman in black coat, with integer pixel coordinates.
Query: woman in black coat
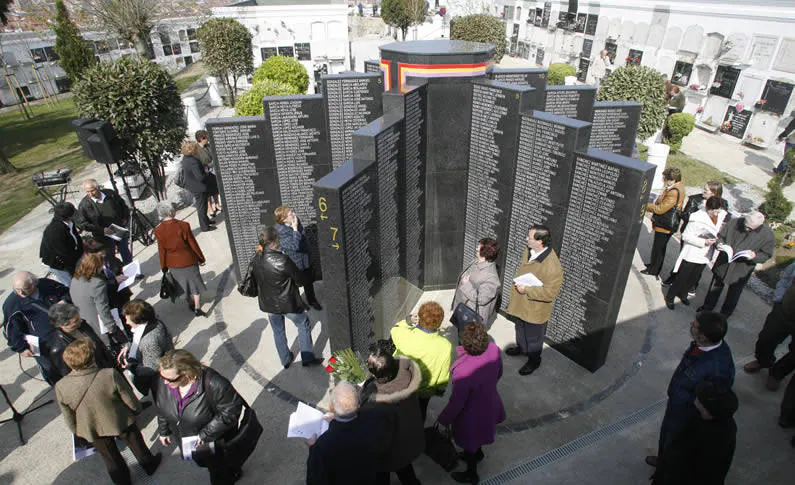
(61, 244)
(393, 389)
(65, 319)
(194, 401)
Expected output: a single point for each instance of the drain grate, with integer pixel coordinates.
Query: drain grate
(575, 445)
(137, 473)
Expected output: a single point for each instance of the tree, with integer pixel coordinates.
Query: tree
(5, 164)
(131, 19)
(481, 28)
(74, 52)
(403, 13)
(140, 99)
(250, 102)
(285, 70)
(643, 85)
(225, 45)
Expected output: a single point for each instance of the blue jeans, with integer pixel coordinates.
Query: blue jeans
(280, 337)
(124, 249)
(62, 276)
(782, 166)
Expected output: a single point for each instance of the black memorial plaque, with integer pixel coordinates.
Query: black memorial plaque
(372, 66)
(545, 16)
(582, 69)
(776, 96)
(587, 47)
(615, 124)
(539, 16)
(736, 122)
(296, 131)
(603, 219)
(535, 77)
(590, 24)
(493, 145)
(571, 101)
(542, 176)
(581, 20)
(247, 181)
(725, 81)
(352, 100)
(267, 52)
(540, 57)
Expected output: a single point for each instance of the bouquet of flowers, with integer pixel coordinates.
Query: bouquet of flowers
(346, 366)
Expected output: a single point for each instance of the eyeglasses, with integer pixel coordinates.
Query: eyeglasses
(170, 380)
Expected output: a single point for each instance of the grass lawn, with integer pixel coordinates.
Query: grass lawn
(45, 142)
(695, 173)
(185, 78)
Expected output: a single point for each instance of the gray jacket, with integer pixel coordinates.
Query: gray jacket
(91, 298)
(155, 342)
(761, 241)
(480, 292)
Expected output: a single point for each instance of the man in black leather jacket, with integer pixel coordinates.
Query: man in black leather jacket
(277, 280)
(65, 318)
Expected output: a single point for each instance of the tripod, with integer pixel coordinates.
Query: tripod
(17, 416)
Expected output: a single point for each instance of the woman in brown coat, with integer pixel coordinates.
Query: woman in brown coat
(99, 405)
(180, 254)
(672, 196)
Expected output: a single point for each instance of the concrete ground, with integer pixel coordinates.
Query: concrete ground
(564, 426)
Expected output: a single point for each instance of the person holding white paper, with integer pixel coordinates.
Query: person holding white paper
(100, 209)
(531, 306)
(150, 341)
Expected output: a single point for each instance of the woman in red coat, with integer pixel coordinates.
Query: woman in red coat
(475, 407)
(180, 254)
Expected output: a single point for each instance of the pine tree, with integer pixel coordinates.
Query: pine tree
(70, 46)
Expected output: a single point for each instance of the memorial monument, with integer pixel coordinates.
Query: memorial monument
(398, 186)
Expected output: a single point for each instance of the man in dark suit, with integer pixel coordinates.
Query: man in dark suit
(61, 245)
(97, 211)
(349, 452)
(196, 182)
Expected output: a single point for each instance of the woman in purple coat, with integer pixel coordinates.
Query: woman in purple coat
(475, 407)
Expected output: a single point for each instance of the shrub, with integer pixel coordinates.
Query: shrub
(73, 50)
(679, 125)
(558, 72)
(481, 28)
(776, 207)
(250, 102)
(285, 70)
(225, 45)
(643, 85)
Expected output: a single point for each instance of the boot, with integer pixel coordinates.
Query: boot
(471, 473)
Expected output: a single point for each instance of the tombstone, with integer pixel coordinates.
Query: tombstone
(587, 48)
(602, 26)
(656, 36)
(524, 76)
(641, 34)
(762, 49)
(627, 31)
(666, 64)
(615, 124)
(785, 58)
(372, 66)
(571, 101)
(582, 69)
(739, 43)
(692, 39)
(672, 39)
(614, 30)
(592, 24)
(712, 45)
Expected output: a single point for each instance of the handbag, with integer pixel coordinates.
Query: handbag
(239, 447)
(669, 219)
(439, 446)
(248, 287)
(464, 315)
(169, 287)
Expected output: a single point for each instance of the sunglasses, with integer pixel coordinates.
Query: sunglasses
(170, 380)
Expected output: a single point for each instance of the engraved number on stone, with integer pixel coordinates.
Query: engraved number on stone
(323, 206)
(334, 231)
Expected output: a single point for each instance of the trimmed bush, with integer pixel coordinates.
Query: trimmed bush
(481, 28)
(776, 207)
(250, 102)
(643, 85)
(225, 45)
(558, 71)
(285, 70)
(679, 125)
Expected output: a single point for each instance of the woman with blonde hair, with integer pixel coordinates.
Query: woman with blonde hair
(196, 180)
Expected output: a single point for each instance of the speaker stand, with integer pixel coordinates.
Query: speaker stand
(18, 417)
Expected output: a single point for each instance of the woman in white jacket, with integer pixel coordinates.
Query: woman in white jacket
(699, 237)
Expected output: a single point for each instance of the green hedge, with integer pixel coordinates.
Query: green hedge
(558, 72)
(250, 102)
(481, 28)
(679, 126)
(285, 70)
(643, 85)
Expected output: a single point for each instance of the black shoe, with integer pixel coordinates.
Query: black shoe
(668, 281)
(669, 304)
(702, 308)
(685, 301)
(210, 228)
(646, 272)
(316, 305)
(478, 456)
(289, 361)
(786, 423)
(150, 467)
(199, 313)
(466, 477)
(212, 221)
(528, 368)
(651, 460)
(513, 351)
(312, 362)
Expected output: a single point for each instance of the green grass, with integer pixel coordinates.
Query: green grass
(695, 173)
(45, 142)
(185, 78)
(184, 83)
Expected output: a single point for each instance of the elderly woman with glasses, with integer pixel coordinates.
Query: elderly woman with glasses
(196, 406)
(150, 341)
(65, 318)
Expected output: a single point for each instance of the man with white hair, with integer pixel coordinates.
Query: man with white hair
(746, 233)
(26, 322)
(97, 211)
(349, 452)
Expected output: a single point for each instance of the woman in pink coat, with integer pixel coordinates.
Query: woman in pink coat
(475, 407)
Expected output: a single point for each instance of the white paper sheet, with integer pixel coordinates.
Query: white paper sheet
(189, 444)
(305, 422)
(105, 327)
(81, 448)
(130, 271)
(528, 279)
(33, 343)
(118, 232)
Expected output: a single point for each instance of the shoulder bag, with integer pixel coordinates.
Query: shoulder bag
(669, 219)
(169, 289)
(248, 287)
(439, 446)
(464, 315)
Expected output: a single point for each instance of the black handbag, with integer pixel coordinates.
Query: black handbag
(463, 315)
(669, 219)
(169, 287)
(439, 446)
(248, 287)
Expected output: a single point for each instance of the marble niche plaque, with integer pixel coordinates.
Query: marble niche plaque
(247, 181)
(493, 146)
(571, 101)
(535, 77)
(603, 219)
(372, 66)
(615, 124)
(542, 175)
(351, 100)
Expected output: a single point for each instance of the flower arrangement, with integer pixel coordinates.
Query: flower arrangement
(699, 109)
(346, 366)
(709, 122)
(726, 126)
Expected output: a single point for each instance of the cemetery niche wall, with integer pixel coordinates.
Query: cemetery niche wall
(453, 150)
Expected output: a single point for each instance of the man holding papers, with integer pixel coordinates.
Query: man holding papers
(98, 212)
(535, 288)
(750, 234)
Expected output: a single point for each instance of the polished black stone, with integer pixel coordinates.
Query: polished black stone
(571, 101)
(615, 124)
(525, 76)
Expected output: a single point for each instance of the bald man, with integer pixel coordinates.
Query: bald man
(26, 321)
(97, 211)
(355, 442)
(746, 233)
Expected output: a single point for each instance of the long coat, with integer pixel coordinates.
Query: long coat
(760, 240)
(480, 292)
(61, 247)
(91, 298)
(535, 306)
(96, 402)
(694, 249)
(398, 399)
(475, 407)
(673, 196)
(176, 245)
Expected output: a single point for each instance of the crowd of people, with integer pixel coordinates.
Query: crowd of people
(94, 343)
